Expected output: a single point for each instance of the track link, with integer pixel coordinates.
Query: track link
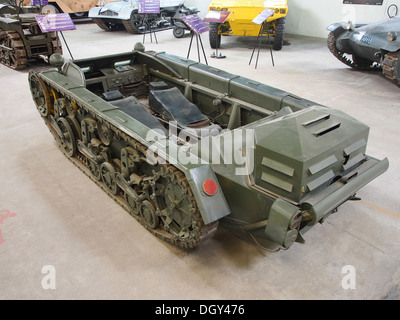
(12, 52)
(101, 24)
(390, 66)
(130, 27)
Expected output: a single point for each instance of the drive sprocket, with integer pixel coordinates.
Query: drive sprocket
(178, 208)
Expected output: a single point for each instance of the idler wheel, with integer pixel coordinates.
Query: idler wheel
(40, 95)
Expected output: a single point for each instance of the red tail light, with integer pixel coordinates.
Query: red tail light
(210, 187)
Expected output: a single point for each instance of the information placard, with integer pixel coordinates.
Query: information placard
(217, 16)
(263, 16)
(195, 24)
(366, 2)
(39, 2)
(149, 6)
(55, 22)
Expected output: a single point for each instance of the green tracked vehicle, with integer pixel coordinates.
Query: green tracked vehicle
(21, 38)
(184, 146)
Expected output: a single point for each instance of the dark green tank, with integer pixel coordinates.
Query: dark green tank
(183, 146)
(21, 38)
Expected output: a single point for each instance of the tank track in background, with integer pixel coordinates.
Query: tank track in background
(101, 24)
(130, 27)
(389, 66)
(200, 233)
(13, 53)
(356, 63)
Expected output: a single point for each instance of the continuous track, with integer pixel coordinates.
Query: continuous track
(186, 231)
(390, 66)
(12, 50)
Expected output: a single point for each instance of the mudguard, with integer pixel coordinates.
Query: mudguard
(338, 30)
(6, 9)
(94, 12)
(336, 27)
(212, 207)
(390, 47)
(180, 24)
(125, 12)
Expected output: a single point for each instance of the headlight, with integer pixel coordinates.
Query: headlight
(392, 36)
(347, 25)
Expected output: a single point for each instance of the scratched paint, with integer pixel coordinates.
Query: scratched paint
(4, 214)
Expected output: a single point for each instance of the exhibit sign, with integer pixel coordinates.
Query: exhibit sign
(195, 24)
(366, 2)
(263, 16)
(217, 16)
(149, 6)
(39, 2)
(55, 22)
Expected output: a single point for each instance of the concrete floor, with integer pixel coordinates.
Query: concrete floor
(53, 215)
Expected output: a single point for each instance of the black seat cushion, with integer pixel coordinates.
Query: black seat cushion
(132, 107)
(174, 106)
(112, 95)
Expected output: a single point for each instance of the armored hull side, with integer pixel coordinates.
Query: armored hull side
(184, 146)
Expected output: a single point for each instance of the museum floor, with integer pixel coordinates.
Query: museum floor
(53, 215)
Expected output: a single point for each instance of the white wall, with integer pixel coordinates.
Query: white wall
(311, 17)
(202, 5)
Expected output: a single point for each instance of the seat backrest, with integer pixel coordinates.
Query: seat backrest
(174, 106)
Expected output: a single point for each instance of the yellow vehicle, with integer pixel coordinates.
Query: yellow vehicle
(239, 22)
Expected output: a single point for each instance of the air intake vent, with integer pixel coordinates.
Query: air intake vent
(323, 131)
(316, 121)
(277, 166)
(273, 170)
(329, 126)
